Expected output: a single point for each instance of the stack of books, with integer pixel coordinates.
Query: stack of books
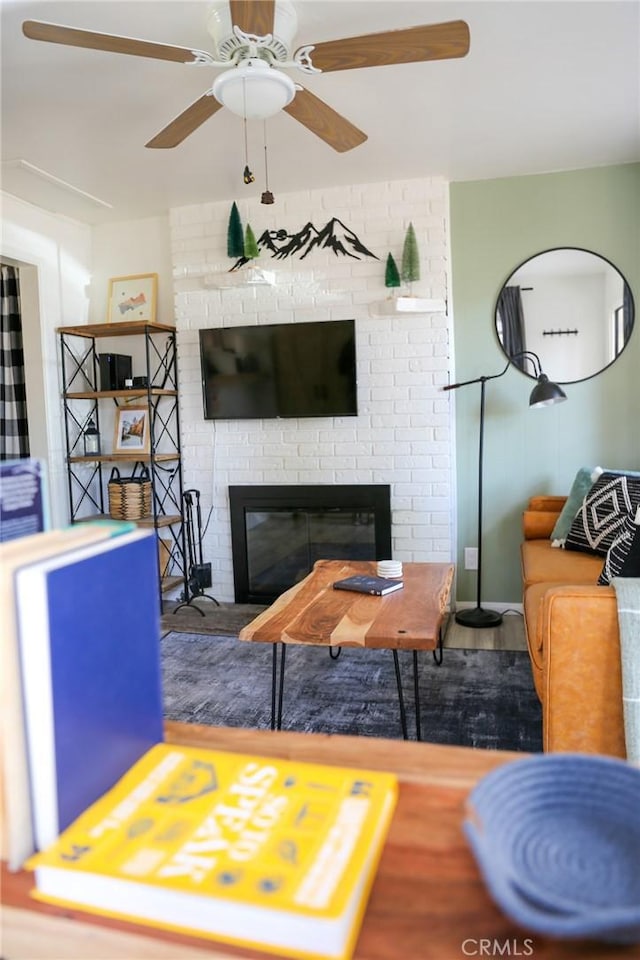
(82, 693)
(257, 851)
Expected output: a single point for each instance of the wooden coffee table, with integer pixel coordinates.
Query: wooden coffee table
(313, 613)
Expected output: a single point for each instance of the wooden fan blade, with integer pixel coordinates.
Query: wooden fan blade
(253, 16)
(321, 119)
(69, 36)
(188, 121)
(439, 41)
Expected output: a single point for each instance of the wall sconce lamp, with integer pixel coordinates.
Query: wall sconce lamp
(543, 394)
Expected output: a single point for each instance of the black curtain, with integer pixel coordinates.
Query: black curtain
(627, 314)
(14, 429)
(511, 317)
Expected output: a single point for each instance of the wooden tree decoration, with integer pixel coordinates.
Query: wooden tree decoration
(235, 234)
(251, 249)
(391, 274)
(410, 258)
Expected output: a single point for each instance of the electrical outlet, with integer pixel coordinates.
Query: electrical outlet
(471, 558)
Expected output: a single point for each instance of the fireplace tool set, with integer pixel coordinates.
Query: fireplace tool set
(199, 572)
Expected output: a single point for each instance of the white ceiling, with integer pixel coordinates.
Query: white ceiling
(547, 85)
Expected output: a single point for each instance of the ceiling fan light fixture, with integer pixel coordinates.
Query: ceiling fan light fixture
(254, 90)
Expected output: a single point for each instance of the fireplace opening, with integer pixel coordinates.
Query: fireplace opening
(278, 532)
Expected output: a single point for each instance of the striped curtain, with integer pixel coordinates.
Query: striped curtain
(14, 430)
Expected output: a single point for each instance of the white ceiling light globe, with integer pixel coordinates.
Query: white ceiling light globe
(254, 90)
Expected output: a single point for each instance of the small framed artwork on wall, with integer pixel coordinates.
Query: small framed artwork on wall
(133, 298)
(132, 430)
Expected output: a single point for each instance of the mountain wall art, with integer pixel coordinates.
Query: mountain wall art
(333, 236)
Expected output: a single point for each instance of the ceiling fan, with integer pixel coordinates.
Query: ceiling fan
(253, 39)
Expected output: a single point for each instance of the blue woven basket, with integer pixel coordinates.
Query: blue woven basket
(557, 838)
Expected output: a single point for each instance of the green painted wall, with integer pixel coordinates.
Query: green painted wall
(495, 225)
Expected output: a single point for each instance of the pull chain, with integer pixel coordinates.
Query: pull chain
(247, 175)
(267, 196)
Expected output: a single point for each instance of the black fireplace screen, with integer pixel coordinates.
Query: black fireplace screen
(278, 533)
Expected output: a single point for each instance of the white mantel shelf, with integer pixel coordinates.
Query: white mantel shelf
(396, 306)
(252, 277)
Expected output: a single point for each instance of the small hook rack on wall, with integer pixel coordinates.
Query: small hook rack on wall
(559, 333)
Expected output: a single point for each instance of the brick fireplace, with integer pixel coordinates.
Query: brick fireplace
(402, 435)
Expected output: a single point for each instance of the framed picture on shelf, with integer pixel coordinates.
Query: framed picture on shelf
(132, 434)
(133, 298)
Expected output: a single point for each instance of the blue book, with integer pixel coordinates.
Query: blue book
(24, 505)
(89, 638)
(364, 583)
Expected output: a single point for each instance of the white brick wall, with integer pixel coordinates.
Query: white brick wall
(402, 434)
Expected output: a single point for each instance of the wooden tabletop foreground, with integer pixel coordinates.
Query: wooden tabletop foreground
(312, 612)
(428, 900)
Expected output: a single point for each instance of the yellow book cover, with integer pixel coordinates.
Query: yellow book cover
(258, 851)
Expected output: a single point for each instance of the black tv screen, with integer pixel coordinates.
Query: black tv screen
(279, 370)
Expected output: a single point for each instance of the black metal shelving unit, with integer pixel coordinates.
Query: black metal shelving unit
(87, 476)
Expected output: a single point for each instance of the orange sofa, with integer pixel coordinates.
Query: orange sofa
(571, 626)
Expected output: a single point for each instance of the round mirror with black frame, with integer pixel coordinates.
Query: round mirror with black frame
(571, 307)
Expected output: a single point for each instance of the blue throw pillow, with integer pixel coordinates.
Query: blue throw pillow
(584, 480)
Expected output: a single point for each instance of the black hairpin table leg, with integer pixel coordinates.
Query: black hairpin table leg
(274, 683)
(416, 694)
(277, 684)
(438, 653)
(281, 690)
(403, 715)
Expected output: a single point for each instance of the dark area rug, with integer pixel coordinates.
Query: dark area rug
(477, 698)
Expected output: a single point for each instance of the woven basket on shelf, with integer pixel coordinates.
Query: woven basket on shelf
(129, 497)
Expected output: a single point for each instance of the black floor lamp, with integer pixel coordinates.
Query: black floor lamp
(543, 394)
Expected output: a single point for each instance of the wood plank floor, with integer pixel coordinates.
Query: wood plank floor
(229, 618)
(508, 636)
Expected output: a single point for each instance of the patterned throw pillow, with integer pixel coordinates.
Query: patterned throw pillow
(582, 483)
(603, 512)
(623, 556)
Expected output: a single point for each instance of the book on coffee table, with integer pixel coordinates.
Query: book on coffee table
(378, 586)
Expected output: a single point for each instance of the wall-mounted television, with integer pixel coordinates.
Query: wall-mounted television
(279, 370)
